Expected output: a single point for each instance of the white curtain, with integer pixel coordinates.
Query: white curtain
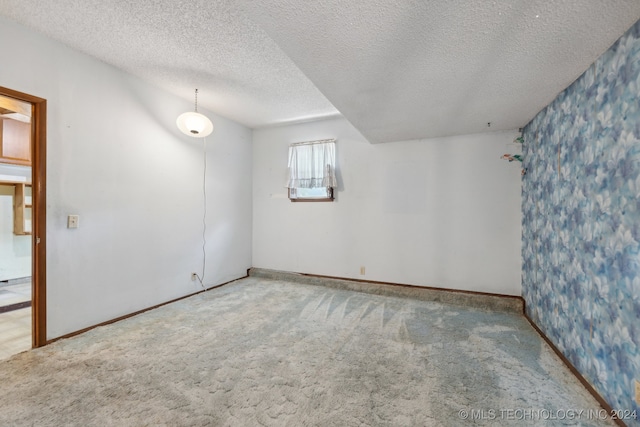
(312, 164)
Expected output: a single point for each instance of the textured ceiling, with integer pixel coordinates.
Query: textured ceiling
(407, 69)
(239, 71)
(396, 69)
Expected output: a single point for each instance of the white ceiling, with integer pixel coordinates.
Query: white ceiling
(396, 69)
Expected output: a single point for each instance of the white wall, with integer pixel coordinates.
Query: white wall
(439, 212)
(116, 158)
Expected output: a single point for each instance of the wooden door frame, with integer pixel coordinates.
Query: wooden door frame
(39, 217)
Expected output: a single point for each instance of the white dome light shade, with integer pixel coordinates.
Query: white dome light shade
(194, 124)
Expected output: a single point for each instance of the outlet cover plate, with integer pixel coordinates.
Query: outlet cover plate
(73, 221)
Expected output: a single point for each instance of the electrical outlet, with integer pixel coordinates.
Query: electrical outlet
(638, 392)
(194, 276)
(73, 221)
(362, 270)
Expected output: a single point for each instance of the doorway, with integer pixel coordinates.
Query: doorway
(22, 195)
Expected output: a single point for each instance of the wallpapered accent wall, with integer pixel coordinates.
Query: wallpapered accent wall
(581, 222)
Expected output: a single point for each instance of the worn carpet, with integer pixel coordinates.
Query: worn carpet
(276, 353)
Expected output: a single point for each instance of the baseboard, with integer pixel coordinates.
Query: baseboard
(575, 372)
(481, 300)
(144, 310)
(14, 307)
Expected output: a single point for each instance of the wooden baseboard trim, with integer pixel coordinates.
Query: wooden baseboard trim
(16, 306)
(126, 316)
(575, 372)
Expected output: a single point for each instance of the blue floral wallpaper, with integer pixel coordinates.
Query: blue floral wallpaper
(581, 222)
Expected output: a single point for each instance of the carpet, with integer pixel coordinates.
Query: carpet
(276, 353)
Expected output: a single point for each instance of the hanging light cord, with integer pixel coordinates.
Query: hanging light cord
(204, 214)
(204, 197)
(196, 103)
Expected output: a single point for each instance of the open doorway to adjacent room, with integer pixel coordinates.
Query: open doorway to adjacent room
(22, 179)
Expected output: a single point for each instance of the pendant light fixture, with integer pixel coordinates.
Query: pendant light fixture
(194, 124)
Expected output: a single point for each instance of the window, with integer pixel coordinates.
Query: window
(318, 194)
(312, 171)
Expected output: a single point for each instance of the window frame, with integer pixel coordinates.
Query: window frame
(306, 166)
(297, 199)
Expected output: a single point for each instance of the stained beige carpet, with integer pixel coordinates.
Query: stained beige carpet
(274, 353)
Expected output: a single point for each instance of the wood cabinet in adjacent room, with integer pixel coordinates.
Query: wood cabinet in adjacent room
(15, 142)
